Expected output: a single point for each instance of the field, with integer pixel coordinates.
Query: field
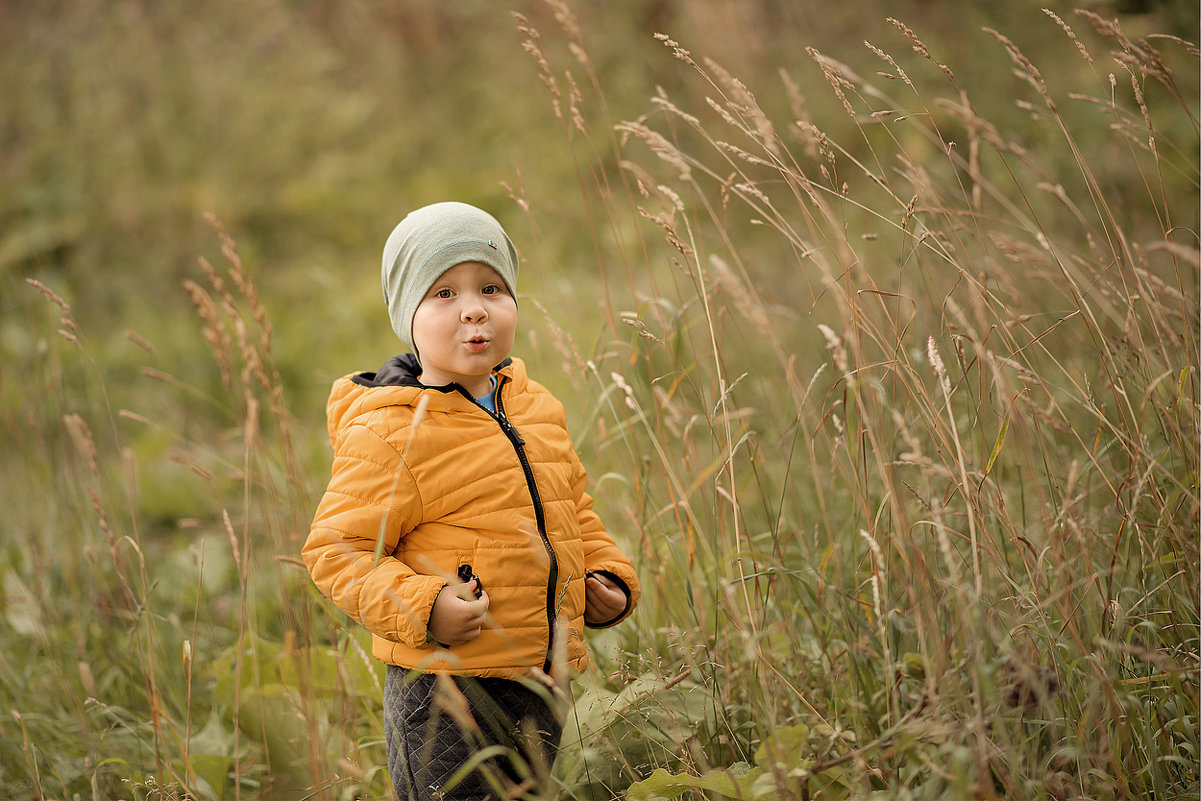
(877, 326)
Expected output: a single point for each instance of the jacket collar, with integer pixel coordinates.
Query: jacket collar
(403, 371)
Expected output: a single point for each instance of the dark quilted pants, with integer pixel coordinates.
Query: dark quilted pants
(436, 726)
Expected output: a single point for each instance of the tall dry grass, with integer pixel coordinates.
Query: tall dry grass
(206, 668)
(906, 425)
(896, 406)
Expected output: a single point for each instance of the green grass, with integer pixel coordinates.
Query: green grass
(883, 360)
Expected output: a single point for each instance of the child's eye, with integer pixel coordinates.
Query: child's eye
(492, 289)
(444, 293)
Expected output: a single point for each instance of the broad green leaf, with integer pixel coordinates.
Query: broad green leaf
(738, 781)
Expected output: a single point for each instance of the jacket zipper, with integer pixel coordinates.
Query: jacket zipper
(518, 443)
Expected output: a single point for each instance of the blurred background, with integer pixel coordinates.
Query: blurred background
(310, 128)
(193, 202)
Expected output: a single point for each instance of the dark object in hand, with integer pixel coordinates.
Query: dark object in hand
(467, 575)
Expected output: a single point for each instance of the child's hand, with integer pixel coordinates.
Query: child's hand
(604, 600)
(457, 617)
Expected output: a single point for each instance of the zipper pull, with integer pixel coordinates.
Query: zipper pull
(505, 425)
(508, 427)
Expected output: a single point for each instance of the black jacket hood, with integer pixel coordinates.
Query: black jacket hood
(401, 371)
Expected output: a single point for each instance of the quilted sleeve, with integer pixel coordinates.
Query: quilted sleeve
(601, 553)
(370, 503)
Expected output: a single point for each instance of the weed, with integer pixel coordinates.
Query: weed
(888, 380)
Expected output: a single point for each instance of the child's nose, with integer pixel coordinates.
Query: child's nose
(472, 310)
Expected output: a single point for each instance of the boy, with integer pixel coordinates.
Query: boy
(455, 526)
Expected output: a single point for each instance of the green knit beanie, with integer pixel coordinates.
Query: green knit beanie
(427, 243)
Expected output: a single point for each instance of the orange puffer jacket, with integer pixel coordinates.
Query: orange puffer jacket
(424, 481)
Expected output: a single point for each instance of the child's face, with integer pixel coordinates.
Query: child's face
(464, 327)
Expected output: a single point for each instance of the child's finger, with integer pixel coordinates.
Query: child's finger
(604, 581)
(603, 588)
(478, 610)
(470, 590)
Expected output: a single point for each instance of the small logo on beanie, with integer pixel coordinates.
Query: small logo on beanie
(492, 245)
